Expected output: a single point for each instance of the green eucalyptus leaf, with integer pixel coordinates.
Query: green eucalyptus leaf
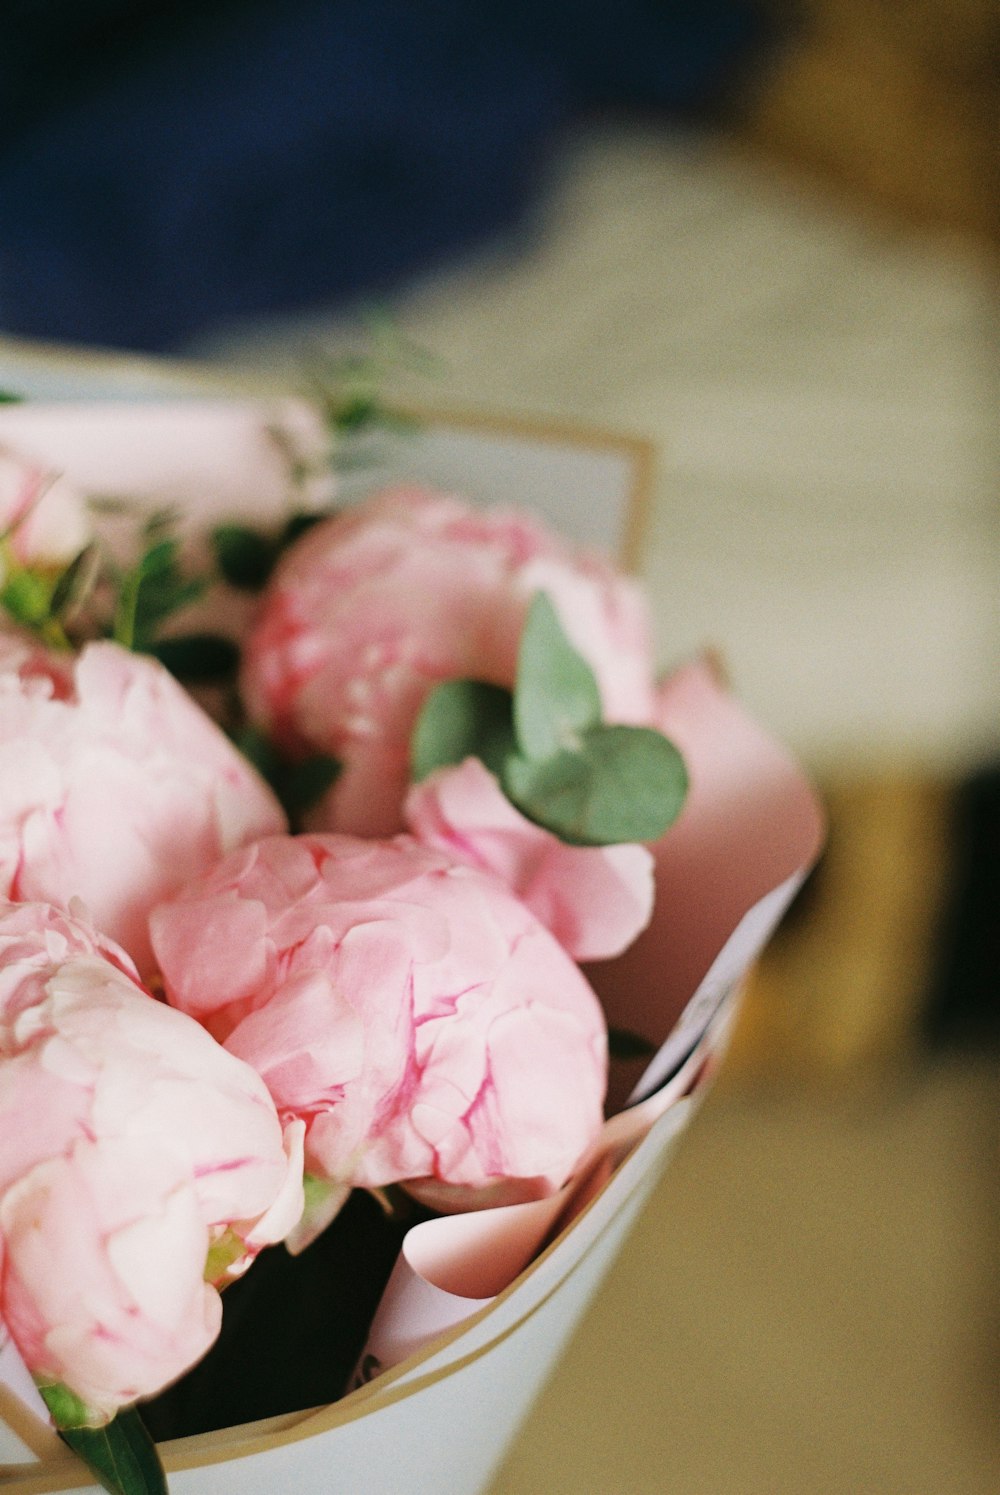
(623, 784)
(462, 719)
(244, 556)
(556, 696)
(198, 658)
(77, 581)
(260, 750)
(121, 1455)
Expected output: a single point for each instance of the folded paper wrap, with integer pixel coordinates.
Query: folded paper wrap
(479, 1305)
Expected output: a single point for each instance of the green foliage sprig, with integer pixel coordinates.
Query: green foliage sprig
(589, 782)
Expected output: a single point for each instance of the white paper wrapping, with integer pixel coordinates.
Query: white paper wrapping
(480, 1306)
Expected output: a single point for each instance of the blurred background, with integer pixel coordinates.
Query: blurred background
(761, 236)
(764, 238)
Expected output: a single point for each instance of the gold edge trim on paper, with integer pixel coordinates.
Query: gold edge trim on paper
(32, 1431)
(194, 377)
(385, 1388)
(203, 1450)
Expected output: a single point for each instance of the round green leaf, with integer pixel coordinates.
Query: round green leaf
(244, 556)
(462, 719)
(624, 784)
(198, 658)
(556, 697)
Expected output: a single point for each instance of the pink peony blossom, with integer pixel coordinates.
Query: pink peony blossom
(137, 1159)
(410, 1009)
(375, 607)
(594, 899)
(114, 786)
(43, 519)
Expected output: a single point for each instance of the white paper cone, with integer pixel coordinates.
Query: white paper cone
(469, 1363)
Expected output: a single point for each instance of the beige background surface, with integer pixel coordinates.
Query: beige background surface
(809, 1306)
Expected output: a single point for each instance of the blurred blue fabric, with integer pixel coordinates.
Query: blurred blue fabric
(166, 166)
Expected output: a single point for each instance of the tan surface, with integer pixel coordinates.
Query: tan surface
(809, 1305)
(895, 104)
(839, 986)
(810, 1302)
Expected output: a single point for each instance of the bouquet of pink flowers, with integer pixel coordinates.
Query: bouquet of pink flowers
(335, 844)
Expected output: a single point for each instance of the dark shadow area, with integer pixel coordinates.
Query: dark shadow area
(166, 166)
(963, 1009)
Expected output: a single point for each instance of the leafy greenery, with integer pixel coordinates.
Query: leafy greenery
(198, 658)
(151, 590)
(621, 784)
(298, 784)
(556, 698)
(121, 1454)
(76, 584)
(27, 598)
(244, 556)
(589, 783)
(462, 719)
(350, 389)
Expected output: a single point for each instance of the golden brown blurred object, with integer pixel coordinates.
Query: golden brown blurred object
(897, 104)
(840, 989)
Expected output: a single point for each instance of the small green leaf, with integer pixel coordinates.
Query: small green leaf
(462, 719)
(198, 658)
(121, 1454)
(27, 597)
(77, 581)
(68, 1411)
(299, 523)
(159, 524)
(624, 784)
(244, 556)
(624, 1044)
(556, 696)
(259, 749)
(298, 785)
(8, 397)
(153, 589)
(356, 412)
(162, 553)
